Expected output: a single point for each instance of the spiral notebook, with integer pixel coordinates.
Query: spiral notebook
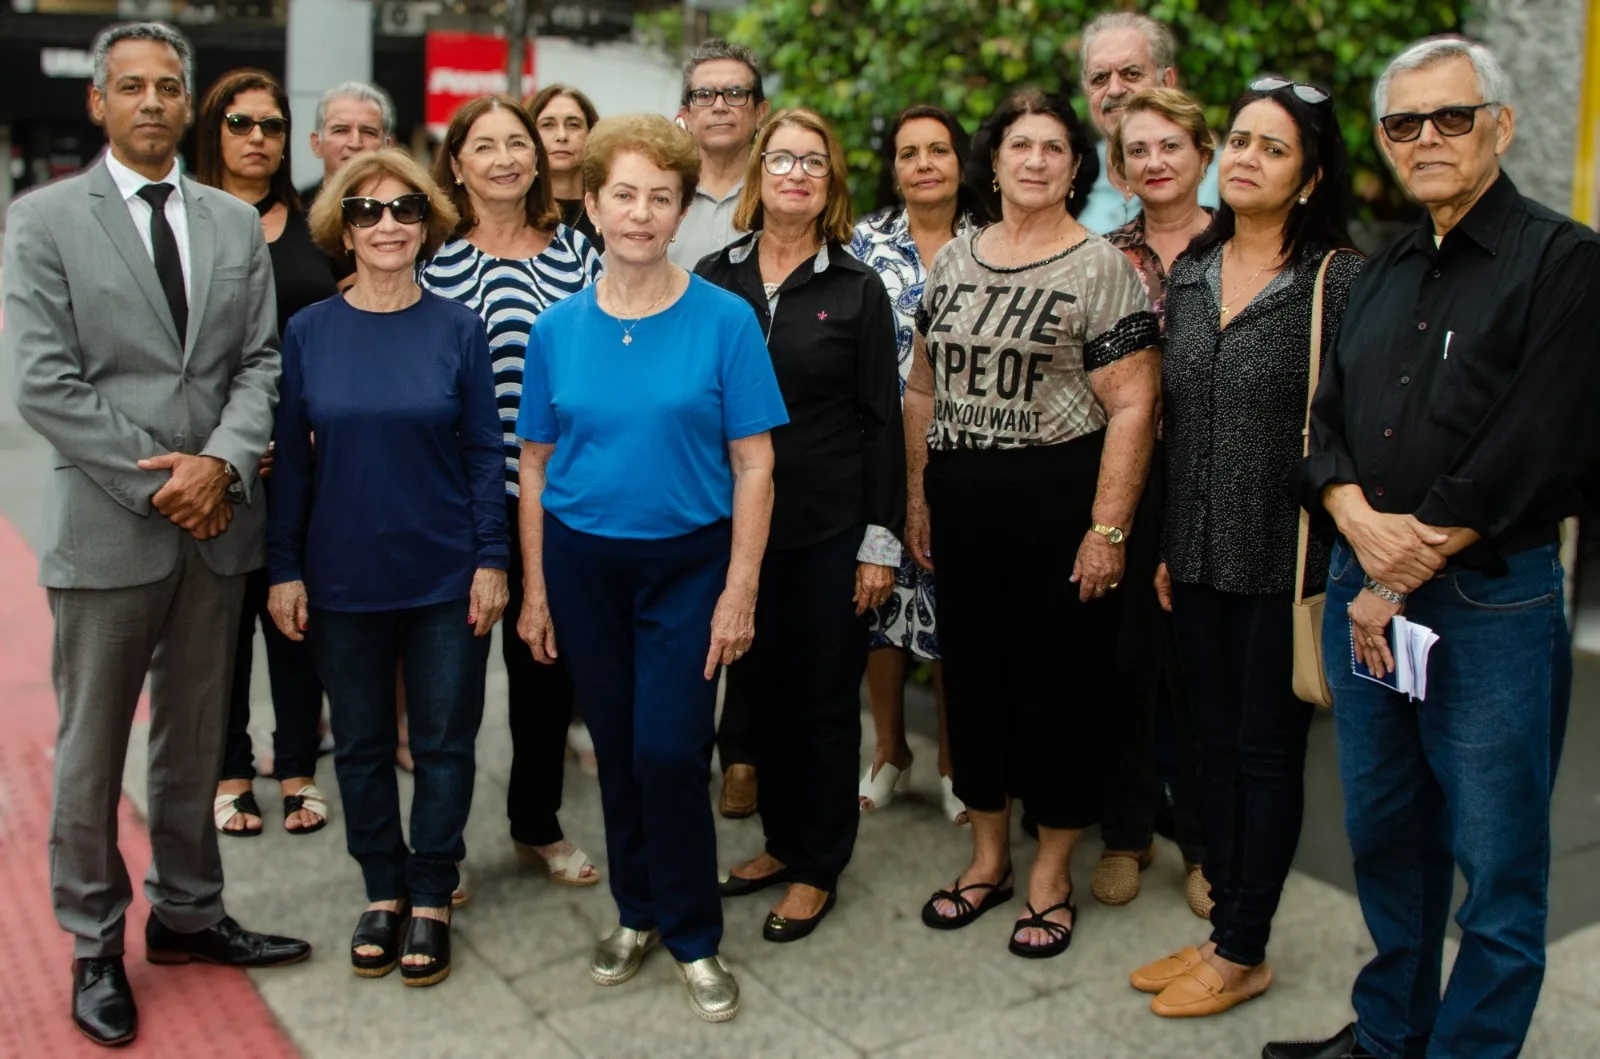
(1410, 644)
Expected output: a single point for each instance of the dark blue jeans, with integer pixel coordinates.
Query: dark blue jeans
(1463, 778)
(444, 673)
(633, 621)
(296, 695)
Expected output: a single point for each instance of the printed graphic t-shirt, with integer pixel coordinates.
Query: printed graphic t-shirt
(1012, 348)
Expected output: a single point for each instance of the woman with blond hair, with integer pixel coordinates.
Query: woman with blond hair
(834, 549)
(396, 545)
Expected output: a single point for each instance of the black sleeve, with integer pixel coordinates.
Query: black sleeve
(883, 445)
(1330, 462)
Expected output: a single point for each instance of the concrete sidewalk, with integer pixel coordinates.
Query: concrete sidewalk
(873, 981)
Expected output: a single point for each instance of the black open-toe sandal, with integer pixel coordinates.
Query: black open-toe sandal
(998, 894)
(431, 938)
(1060, 934)
(312, 801)
(224, 807)
(383, 930)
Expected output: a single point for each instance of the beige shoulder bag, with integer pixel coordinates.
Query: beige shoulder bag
(1310, 677)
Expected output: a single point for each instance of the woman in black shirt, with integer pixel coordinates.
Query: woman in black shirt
(243, 134)
(840, 502)
(564, 116)
(1234, 383)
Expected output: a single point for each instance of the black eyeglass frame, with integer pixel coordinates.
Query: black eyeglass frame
(395, 207)
(1470, 109)
(751, 95)
(1315, 95)
(244, 125)
(772, 158)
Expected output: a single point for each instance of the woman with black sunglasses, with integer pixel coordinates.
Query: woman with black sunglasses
(1239, 318)
(243, 137)
(397, 544)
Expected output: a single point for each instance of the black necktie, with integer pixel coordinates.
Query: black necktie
(169, 266)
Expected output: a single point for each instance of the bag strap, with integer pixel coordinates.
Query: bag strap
(1303, 540)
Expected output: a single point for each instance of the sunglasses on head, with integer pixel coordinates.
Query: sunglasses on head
(1450, 121)
(1303, 92)
(361, 211)
(241, 124)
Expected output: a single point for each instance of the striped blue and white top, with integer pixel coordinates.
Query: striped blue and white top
(508, 295)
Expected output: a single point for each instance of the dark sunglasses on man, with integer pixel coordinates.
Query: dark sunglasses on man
(736, 96)
(1305, 93)
(361, 211)
(241, 125)
(1405, 126)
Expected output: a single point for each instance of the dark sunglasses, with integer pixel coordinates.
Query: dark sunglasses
(737, 96)
(1450, 121)
(1304, 92)
(241, 124)
(363, 212)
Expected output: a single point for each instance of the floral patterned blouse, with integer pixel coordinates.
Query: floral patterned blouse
(883, 242)
(1130, 240)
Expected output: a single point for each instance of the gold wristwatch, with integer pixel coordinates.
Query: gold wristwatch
(1110, 533)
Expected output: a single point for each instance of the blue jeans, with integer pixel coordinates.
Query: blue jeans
(444, 672)
(1463, 778)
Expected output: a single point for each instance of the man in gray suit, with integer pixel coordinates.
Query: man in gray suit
(139, 317)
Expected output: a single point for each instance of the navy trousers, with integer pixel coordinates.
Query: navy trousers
(633, 622)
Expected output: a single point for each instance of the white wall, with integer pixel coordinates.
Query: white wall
(621, 78)
(328, 42)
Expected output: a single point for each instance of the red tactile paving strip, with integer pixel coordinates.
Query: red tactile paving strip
(192, 1012)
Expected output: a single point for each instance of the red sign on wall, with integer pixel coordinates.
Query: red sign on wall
(463, 66)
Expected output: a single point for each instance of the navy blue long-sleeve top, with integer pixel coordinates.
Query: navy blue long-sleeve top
(388, 479)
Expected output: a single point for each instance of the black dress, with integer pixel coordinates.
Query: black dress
(573, 215)
(301, 273)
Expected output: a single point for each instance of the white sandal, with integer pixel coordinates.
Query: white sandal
(564, 868)
(878, 791)
(311, 800)
(224, 807)
(953, 807)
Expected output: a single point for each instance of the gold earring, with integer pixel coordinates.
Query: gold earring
(995, 183)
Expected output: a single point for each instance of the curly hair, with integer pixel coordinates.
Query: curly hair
(980, 174)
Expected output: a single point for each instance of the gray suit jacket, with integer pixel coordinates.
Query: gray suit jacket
(101, 372)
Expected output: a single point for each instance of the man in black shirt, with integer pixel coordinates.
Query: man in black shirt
(1453, 426)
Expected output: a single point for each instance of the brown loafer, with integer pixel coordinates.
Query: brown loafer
(1197, 993)
(1154, 977)
(738, 792)
(1198, 891)
(1116, 877)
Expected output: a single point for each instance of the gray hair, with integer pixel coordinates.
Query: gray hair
(156, 31)
(1494, 84)
(362, 92)
(1163, 47)
(715, 48)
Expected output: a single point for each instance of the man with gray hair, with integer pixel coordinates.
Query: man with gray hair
(141, 327)
(351, 118)
(1452, 432)
(1121, 53)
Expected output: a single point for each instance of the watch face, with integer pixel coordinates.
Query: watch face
(1115, 536)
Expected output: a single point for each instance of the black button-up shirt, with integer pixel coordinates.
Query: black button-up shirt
(1465, 386)
(841, 460)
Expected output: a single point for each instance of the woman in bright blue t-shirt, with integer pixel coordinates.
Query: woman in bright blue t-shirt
(646, 493)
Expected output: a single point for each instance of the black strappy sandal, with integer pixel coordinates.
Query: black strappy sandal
(381, 929)
(431, 938)
(999, 893)
(1060, 934)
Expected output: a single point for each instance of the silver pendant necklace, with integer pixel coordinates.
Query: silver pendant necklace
(627, 328)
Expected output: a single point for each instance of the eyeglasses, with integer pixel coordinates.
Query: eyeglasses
(242, 124)
(1304, 92)
(1450, 121)
(780, 162)
(736, 96)
(363, 212)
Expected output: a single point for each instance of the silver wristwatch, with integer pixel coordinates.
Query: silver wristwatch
(1384, 592)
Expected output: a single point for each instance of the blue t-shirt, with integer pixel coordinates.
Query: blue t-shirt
(641, 429)
(388, 479)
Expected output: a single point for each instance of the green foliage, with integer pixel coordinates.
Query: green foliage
(859, 62)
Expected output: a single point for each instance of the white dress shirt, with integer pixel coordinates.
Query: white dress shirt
(128, 182)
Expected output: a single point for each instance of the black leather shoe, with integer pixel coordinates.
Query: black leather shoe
(736, 886)
(781, 928)
(102, 1003)
(1341, 1046)
(226, 943)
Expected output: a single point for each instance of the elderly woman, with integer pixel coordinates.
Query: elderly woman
(922, 205)
(841, 470)
(243, 134)
(1235, 378)
(1161, 147)
(395, 545)
(646, 494)
(563, 116)
(1030, 415)
(509, 260)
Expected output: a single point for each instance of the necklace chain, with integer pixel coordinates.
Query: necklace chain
(1225, 301)
(627, 327)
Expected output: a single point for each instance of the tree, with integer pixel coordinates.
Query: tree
(859, 62)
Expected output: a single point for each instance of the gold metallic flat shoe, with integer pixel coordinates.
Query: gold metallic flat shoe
(713, 992)
(618, 955)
